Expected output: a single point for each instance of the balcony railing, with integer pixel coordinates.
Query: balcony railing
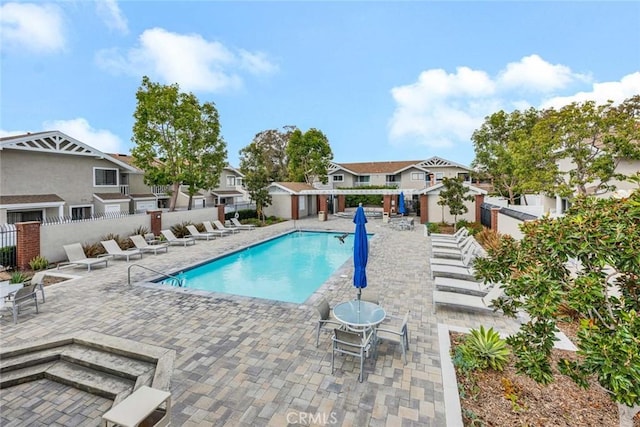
(124, 189)
(160, 189)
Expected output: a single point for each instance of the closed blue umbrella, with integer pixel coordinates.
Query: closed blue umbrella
(401, 209)
(360, 250)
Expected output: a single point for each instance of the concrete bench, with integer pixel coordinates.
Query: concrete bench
(141, 406)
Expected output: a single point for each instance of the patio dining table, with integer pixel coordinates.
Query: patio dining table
(359, 315)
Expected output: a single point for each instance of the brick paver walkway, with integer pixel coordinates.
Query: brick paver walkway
(250, 362)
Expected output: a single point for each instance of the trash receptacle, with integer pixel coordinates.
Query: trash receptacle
(322, 216)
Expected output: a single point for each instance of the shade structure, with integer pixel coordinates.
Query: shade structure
(360, 250)
(401, 209)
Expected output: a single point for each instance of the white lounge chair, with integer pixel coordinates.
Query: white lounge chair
(198, 235)
(470, 287)
(220, 226)
(469, 254)
(175, 241)
(239, 225)
(211, 229)
(446, 236)
(453, 253)
(114, 250)
(77, 257)
(144, 246)
(457, 237)
(467, 302)
(452, 244)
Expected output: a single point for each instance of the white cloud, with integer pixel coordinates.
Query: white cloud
(443, 110)
(617, 92)
(81, 130)
(110, 13)
(189, 60)
(34, 27)
(534, 74)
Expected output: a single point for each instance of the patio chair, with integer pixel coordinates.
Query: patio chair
(21, 297)
(175, 241)
(469, 254)
(114, 250)
(467, 302)
(453, 272)
(454, 253)
(193, 231)
(356, 344)
(141, 243)
(241, 226)
(458, 236)
(220, 226)
(38, 281)
(326, 320)
(452, 244)
(77, 257)
(391, 330)
(370, 297)
(211, 229)
(470, 287)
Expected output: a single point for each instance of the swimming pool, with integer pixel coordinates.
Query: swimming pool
(288, 268)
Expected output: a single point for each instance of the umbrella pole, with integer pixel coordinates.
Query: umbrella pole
(359, 293)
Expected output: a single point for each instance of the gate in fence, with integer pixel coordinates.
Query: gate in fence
(8, 249)
(485, 214)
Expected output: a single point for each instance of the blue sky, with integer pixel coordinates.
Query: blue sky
(383, 80)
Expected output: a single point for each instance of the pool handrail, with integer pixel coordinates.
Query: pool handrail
(174, 280)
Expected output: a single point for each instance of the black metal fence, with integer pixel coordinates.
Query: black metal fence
(8, 248)
(485, 214)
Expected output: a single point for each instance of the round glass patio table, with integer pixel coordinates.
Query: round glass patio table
(358, 314)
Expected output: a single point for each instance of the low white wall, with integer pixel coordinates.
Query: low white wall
(54, 236)
(510, 225)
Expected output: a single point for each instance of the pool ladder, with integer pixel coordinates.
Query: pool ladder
(172, 280)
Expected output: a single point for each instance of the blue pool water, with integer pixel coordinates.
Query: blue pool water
(289, 268)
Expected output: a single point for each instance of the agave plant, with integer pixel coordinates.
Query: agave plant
(485, 349)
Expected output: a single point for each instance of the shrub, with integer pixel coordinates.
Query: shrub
(18, 277)
(433, 227)
(242, 214)
(92, 250)
(488, 238)
(123, 242)
(8, 256)
(473, 227)
(180, 230)
(141, 230)
(483, 349)
(39, 263)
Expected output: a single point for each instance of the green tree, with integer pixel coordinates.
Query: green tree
(592, 139)
(507, 152)
(575, 263)
(273, 143)
(453, 195)
(177, 139)
(309, 156)
(253, 160)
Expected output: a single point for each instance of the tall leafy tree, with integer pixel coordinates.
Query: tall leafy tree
(256, 175)
(309, 156)
(273, 143)
(453, 195)
(592, 139)
(507, 152)
(177, 139)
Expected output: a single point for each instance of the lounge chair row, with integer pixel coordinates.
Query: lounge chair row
(454, 279)
(77, 257)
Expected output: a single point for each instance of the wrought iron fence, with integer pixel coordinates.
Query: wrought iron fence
(8, 249)
(94, 217)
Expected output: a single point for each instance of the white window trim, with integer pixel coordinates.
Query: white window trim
(417, 174)
(229, 184)
(333, 179)
(439, 176)
(117, 184)
(359, 179)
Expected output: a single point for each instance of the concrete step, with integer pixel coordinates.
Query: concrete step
(92, 358)
(24, 375)
(89, 380)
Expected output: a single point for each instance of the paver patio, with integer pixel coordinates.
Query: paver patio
(246, 361)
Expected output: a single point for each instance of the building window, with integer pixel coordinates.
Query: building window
(417, 176)
(364, 179)
(105, 177)
(231, 181)
(80, 212)
(23, 216)
(439, 176)
(338, 178)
